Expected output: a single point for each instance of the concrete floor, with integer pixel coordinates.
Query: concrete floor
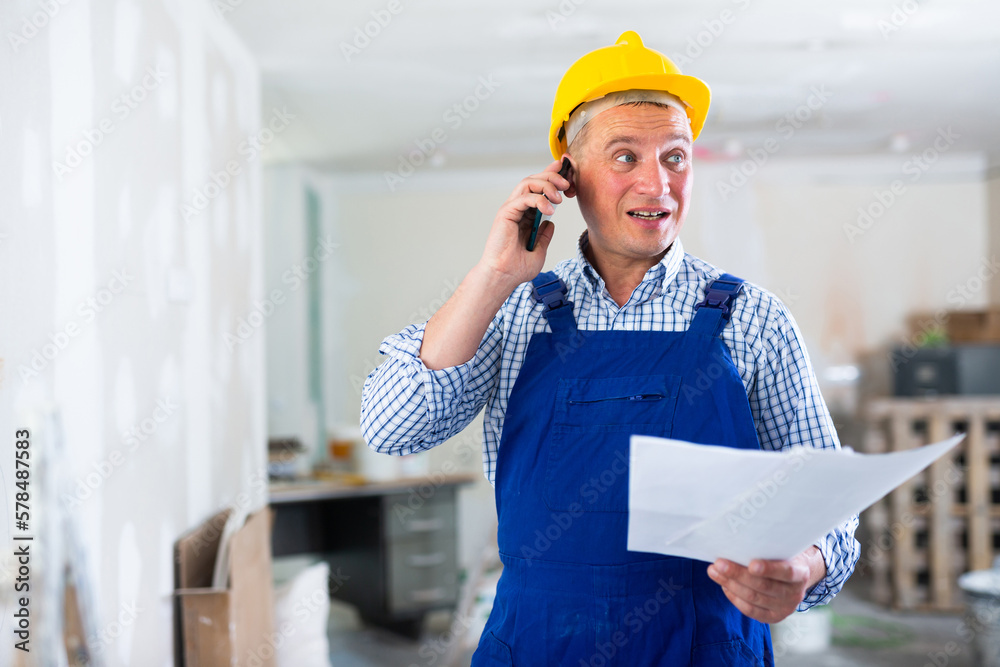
(907, 639)
(355, 645)
(860, 628)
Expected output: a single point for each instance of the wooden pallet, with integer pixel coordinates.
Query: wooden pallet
(946, 520)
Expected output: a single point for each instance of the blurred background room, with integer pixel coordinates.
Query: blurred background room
(213, 211)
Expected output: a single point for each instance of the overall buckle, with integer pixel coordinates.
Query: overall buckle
(551, 294)
(721, 294)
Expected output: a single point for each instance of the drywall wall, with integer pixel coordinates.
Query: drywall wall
(130, 252)
(993, 194)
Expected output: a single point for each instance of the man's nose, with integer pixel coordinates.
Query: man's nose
(652, 179)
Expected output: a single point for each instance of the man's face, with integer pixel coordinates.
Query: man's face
(633, 181)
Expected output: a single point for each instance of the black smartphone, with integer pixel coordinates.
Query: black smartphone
(539, 218)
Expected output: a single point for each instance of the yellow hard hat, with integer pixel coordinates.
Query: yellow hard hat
(628, 65)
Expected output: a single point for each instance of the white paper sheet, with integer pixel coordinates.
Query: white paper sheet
(707, 502)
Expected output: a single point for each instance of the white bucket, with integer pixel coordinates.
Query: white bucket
(803, 632)
(982, 614)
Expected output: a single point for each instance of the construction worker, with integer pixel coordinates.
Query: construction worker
(632, 335)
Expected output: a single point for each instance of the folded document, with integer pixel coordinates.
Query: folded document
(707, 502)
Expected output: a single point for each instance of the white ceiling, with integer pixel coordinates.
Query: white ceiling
(897, 71)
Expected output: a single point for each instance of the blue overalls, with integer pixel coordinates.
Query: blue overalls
(571, 593)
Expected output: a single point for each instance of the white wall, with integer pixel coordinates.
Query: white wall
(159, 338)
(795, 229)
(993, 194)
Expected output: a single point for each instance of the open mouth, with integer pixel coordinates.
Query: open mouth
(648, 216)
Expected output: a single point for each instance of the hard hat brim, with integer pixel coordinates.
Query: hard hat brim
(694, 92)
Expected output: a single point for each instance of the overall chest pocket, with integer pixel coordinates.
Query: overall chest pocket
(587, 466)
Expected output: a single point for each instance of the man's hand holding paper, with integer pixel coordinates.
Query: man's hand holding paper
(755, 515)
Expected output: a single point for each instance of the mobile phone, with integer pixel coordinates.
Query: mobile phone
(539, 218)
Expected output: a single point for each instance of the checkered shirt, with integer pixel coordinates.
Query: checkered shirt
(408, 408)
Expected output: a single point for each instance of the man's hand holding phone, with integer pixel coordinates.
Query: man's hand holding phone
(506, 252)
(542, 217)
(453, 334)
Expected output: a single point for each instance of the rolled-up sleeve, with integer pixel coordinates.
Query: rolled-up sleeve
(840, 554)
(789, 411)
(407, 407)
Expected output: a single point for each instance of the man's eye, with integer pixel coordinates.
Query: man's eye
(625, 158)
(676, 158)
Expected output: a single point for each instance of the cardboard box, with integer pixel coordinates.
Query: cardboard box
(235, 625)
(974, 326)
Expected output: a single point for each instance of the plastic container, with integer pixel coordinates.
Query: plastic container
(803, 632)
(982, 614)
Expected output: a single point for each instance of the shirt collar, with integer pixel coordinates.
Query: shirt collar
(659, 275)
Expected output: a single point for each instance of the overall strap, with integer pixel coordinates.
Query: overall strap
(712, 314)
(549, 290)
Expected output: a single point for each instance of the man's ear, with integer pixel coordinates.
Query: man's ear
(571, 177)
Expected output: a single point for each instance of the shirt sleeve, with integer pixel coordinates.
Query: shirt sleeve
(789, 411)
(407, 407)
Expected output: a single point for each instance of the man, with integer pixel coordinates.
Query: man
(630, 336)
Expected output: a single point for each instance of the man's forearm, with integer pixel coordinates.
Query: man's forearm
(453, 334)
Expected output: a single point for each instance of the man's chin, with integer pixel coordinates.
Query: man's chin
(636, 250)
